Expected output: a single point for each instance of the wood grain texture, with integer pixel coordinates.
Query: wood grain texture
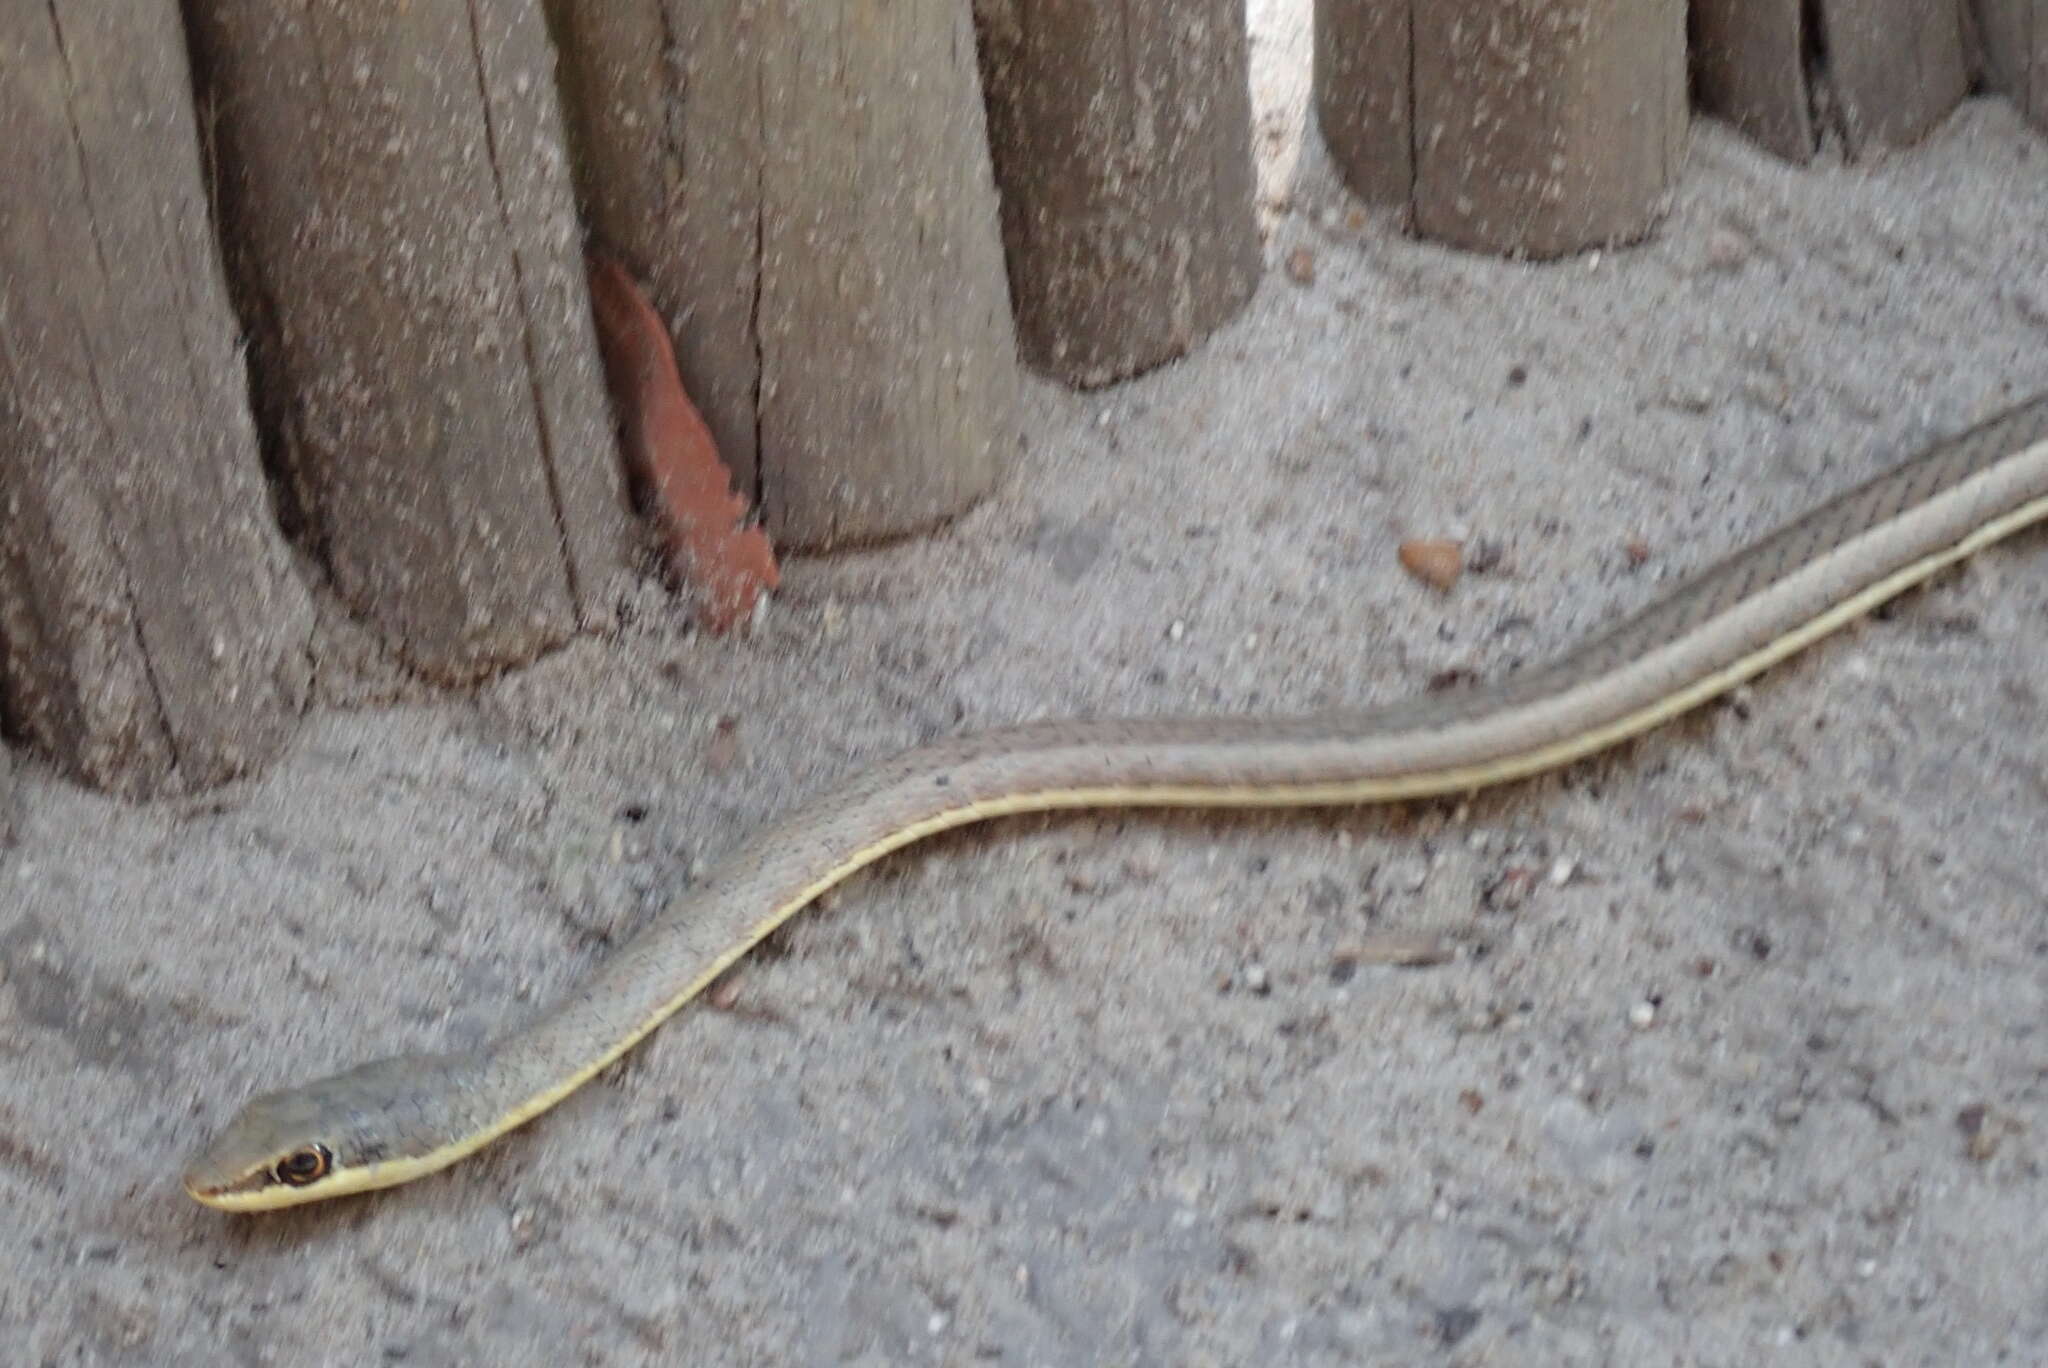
(405, 250)
(152, 633)
(820, 232)
(1896, 67)
(2012, 47)
(611, 60)
(1749, 68)
(1520, 127)
(1363, 94)
(1122, 141)
(1544, 127)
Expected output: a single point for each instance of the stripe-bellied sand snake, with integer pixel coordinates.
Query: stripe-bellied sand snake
(399, 1119)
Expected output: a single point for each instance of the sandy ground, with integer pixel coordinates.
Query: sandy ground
(1743, 1056)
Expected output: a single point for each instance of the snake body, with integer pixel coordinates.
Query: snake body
(395, 1120)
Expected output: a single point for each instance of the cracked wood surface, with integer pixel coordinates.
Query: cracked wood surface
(1534, 128)
(1748, 61)
(819, 230)
(1876, 73)
(152, 634)
(403, 240)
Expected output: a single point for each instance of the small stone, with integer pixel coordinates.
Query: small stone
(1176, 630)
(1256, 980)
(1407, 875)
(1301, 266)
(1485, 556)
(1726, 249)
(1643, 1015)
(525, 1226)
(1434, 561)
(722, 751)
(1561, 870)
(1509, 889)
(1982, 1131)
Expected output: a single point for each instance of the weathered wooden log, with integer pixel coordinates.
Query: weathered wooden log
(613, 72)
(820, 230)
(1122, 142)
(1547, 126)
(1528, 127)
(403, 242)
(152, 633)
(1361, 89)
(2012, 48)
(1896, 67)
(1749, 67)
(1893, 68)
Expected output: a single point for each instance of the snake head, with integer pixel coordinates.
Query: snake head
(378, 1124)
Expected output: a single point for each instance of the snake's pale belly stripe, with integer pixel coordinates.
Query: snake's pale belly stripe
(395, 1120)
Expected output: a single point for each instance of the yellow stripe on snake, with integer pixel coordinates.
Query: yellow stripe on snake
(399, 1119)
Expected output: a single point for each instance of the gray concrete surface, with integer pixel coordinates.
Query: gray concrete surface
(1744, 1057)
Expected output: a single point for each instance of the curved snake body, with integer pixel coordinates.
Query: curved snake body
(395, 1120)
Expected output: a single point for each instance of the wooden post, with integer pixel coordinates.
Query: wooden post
(1749, 62)
(612, 69)
(152, 634)
(2012, 37)
(1362, 91)
(1122, 141)
(404, 245)
(1527, 127)
(810, 200)
(1896, 66)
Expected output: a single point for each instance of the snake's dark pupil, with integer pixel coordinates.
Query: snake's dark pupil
(303, 1166)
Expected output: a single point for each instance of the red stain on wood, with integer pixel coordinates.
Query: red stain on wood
(725, 564)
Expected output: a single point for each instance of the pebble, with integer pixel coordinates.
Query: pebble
(1408, 875)
(1643, 1015)
(524, 1226)
(1726, 249)
(1437, 562)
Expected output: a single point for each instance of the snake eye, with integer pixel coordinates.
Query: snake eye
(307, 1164)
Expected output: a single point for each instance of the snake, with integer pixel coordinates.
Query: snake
(395, 1120)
